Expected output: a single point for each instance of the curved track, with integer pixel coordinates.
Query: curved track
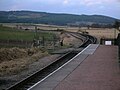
(39, 75)
(85, 38)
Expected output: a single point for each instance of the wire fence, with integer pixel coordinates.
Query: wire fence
(48, 44)
(15, 43)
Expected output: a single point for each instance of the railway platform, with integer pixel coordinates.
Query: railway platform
(95, 68)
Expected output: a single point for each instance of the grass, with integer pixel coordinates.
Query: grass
(7, 33)
(18, 59)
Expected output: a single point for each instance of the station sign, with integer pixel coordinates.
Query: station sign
(108, 42)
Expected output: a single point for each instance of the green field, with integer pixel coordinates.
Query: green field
(7, 33)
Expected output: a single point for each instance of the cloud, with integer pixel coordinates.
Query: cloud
(118, 0)
(65, 2)
(95, 2)
(107, 7)
(91, 2)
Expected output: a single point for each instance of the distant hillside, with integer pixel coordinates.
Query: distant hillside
(52, 18)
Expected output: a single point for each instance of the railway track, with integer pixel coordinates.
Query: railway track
(85, 38)
(39, 75)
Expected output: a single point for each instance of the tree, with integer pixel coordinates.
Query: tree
(88, 26)
(116, 24)
(95, 25)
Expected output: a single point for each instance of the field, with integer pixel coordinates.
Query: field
(15, 37)
(102, 33)
(7, 33)
(97, 32)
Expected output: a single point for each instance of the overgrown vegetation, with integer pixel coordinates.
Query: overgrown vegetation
(14, 60)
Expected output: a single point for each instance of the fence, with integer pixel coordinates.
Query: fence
(35, 43)
(15, 43)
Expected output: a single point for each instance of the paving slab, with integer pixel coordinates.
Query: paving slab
(99, 71)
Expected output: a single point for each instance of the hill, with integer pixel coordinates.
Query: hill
(52, 18)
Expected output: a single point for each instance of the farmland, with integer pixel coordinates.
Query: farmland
(12, 36)
(97, 32)
(11, 33)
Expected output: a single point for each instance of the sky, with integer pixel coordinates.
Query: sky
(89, 7)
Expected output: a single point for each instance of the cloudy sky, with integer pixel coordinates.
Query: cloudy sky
(89, 7)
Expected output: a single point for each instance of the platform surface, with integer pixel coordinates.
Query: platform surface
(95, 68)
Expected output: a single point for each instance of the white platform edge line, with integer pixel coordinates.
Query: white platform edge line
(59, 68)
(96, 48)
(92, 50)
